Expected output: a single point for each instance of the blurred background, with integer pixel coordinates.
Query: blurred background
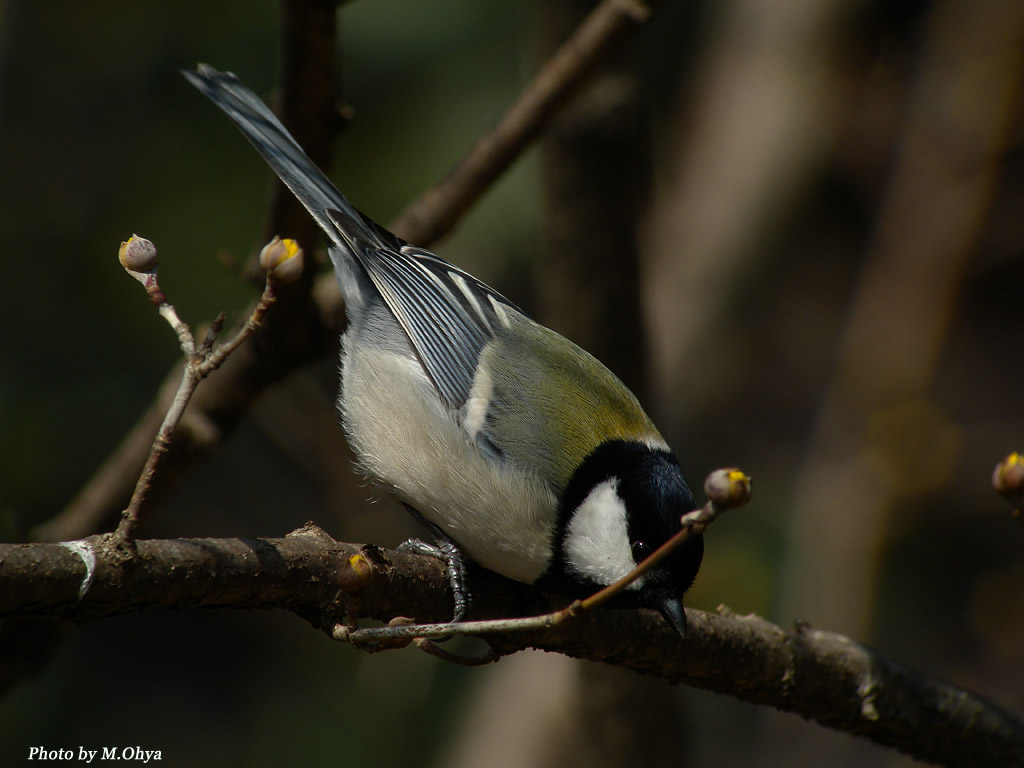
(797, 228)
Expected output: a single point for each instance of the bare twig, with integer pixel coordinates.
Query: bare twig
(488, 657)
(282, 262)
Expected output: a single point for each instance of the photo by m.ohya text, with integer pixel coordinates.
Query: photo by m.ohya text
(85, 755)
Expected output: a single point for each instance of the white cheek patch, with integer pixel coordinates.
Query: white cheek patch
(597, 540)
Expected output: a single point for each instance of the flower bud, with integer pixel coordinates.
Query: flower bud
(355, 574)
(282, 260)
(137, 254)
(728, 488)
(1008, 479)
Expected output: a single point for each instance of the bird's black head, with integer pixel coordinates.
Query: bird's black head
(622, 503)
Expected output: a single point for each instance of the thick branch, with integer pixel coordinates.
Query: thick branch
(818, 675)
(306, 570)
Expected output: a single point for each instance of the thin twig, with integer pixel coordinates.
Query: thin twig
(125, 532)
(693, 524)
(488, 657)
(200, 361)
(217, 355)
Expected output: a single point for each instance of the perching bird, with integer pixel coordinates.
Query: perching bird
(517, 447)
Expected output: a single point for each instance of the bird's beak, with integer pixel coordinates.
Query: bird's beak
(672, 609)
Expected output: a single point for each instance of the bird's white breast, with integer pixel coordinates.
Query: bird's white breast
(499, 514)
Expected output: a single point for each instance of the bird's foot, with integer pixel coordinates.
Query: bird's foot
(448, 553)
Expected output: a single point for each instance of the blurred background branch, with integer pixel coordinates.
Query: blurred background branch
(879, 436)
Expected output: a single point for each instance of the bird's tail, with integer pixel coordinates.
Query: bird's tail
(331, 210)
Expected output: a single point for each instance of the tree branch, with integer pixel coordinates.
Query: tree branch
(819, 675)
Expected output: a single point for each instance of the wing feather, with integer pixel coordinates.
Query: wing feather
(447, 314)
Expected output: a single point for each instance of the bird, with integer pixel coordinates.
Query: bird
(515, 447)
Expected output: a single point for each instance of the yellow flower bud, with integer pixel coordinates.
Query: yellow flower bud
(1008, 479)
(137, 254)
(728, 488)
(282, 260)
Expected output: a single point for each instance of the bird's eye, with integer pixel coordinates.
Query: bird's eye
(640, 551)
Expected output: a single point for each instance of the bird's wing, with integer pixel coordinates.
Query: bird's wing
(447, 314)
